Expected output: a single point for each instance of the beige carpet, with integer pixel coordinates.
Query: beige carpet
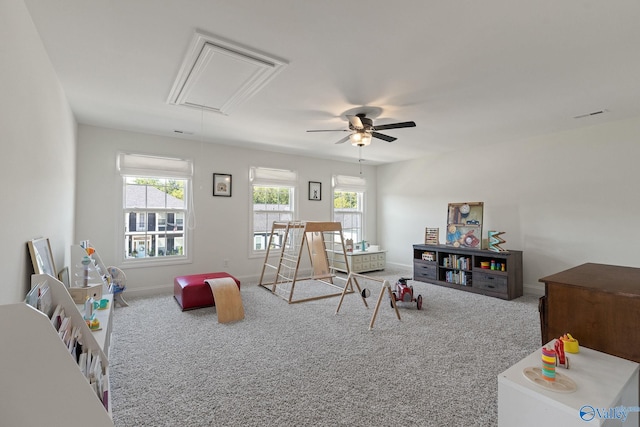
(303, 365)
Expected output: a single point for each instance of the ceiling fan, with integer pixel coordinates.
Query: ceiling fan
(362, 130)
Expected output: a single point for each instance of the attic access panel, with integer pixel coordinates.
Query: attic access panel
(217, 75)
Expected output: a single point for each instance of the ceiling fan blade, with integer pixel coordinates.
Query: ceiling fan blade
(383, 137)
(343, 140)
(328, 130)
(396, 125)
(355, 121)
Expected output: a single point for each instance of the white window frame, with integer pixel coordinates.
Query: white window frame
(275, 178)
(150, 166)
(352, 184)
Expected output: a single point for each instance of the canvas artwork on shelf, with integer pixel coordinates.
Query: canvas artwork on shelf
(42, 257)
(464, 224)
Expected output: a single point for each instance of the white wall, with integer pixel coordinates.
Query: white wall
(38, 151)
(222, 224)
(563, 199)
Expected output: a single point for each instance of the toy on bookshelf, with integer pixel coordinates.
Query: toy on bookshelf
(432, 236)
(88, 308)
(561, 358)
(428, 256)
(88, 274)
(495, 241)
(570, 343)
(85, 270)
(548, 364)
(93, 324)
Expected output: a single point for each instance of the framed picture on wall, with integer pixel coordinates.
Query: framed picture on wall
(222, 184)
(315, 190)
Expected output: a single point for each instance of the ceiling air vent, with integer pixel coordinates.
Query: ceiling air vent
(217, 75)
(594, 113)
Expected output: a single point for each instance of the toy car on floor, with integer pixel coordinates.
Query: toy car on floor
(404, 293)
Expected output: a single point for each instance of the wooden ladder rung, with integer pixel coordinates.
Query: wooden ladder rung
(323, 276)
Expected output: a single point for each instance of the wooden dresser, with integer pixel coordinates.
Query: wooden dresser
(598, 304)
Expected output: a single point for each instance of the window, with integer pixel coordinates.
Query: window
(348, 206)
(155, 207)
(272, 200)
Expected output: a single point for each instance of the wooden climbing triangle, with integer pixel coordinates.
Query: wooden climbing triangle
(285, 260)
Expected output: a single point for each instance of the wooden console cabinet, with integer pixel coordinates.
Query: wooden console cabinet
(598, 304)
(461, 268)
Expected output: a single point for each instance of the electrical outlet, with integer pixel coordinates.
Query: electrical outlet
(226, 262)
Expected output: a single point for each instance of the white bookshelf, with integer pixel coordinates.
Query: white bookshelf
(42, 383)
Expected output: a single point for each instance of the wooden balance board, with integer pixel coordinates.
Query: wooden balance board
(227, 299)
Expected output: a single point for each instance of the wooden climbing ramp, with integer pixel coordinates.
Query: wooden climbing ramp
(227, 299)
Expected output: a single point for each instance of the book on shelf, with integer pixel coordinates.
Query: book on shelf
(454, 261)
(56, 317)
(458, 278)
(64, 325)
(39, 297)
(44, 299)
(94, 374)
(87, 367)
(82, 363)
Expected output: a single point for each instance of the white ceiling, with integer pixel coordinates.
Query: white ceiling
(469, 73)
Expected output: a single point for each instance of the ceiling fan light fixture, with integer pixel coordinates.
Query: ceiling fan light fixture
(360, 139)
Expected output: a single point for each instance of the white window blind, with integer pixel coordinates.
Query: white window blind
(267, 176)
(153, 166)
(349, 183)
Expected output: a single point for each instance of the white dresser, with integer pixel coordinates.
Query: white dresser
(605, 385)
(361, 261)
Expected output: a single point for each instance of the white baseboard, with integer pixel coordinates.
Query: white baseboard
(399, 266)
(537, 289)
(165, 289)
(529, 289)
(148, 292)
